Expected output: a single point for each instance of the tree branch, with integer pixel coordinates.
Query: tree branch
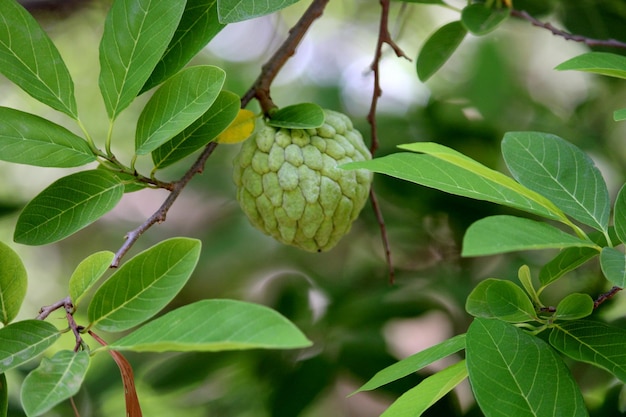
(613, 43)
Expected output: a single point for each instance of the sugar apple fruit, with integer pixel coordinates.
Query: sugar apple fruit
(290, 186)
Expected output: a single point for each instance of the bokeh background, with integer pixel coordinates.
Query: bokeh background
(341, 299)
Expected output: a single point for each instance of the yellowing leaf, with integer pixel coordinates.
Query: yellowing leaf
(240, 129)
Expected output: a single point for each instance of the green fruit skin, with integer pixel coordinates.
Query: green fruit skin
(291, 188)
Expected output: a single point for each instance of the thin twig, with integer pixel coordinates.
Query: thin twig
(384, 37)
(261, 87)
(612, 43)
(45, 311)
(606, 296)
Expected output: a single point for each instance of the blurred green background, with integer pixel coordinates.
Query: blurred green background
(341, 299)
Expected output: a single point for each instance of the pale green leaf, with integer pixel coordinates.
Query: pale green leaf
(29, 139)
(573, 307)
(297, 116)
(523, 274)
(29, 59)
(136, 34)
(204, 130)
(480, 19)
(414, 363)
(215, 325)
(87, 273)
(592, 342)
(603, 63)
(613, 264)
(438, 48)
(68, 205)
(496, 298)
(561, 172)
(55, 380)
(447, 170)
(503, 233)
(420, 398)
(231, 11)
(619, 115)
(198, 25)
(13, 283)
(514, 374)
(144, 285)
(24, 340)
(619, 215)
(178, 103)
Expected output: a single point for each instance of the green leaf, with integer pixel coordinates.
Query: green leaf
(4, 396)
(567, 260)
(603, 63)
(523, 274)
(480, 19)
(179, 102)
(619, 115)
(592, 342)
(514, 374)
(573, 307)
(29, 139)
(68, 205)
(496, 298)
(414, 363)
(421, 397)
(144, 285)
(231, 11)
(136, 34)
(619, 214)
(24, 340)
(613, 264)
(447, 170)
(198, 25)
(298, 116)
(561, 172)
(29, 59)
(13, 283)
(87, 273)
(438, 48)
(215, 325)
(500, 234)
(204, 130)
(55, 380)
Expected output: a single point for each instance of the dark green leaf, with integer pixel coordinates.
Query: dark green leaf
(136, 34)
(420, 398)
(29, 59)
(4, 396)
(179, 102)
(215, 325)
(500, 234)
(613, 263)
(198, 25)
(87, 273)
(567, 260)
(619, 214)
(447, 170)
(574, 306)
(219, 116)
(592, 342)
(438, 49)
(561, 172)
(29, 139)
(231, 11)
(603, 63)
(13, 283)
(514, 374)
(480, 19)
(24, 340)
(68, 205)
(144, 285)
(414, 363)
(55, 380)
(298, 116)
(495, 298)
